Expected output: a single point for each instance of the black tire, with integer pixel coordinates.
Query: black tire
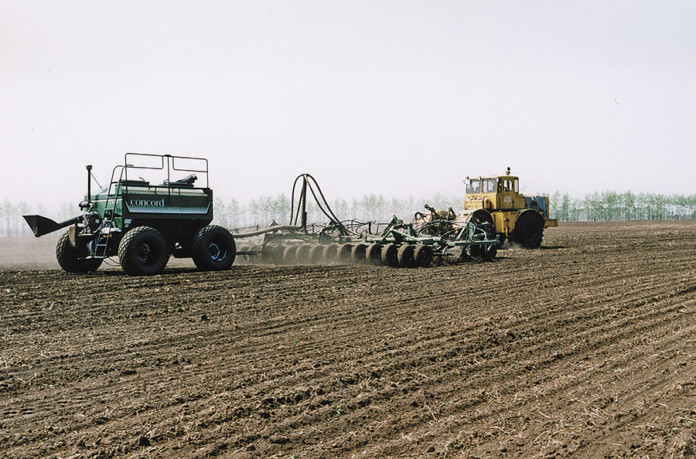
(143, 252)
(389, 255)
(71, 258)
(373, 254)
(405, 256)
(423, 256)
(213, 248)
(529, 230)
(358, 253)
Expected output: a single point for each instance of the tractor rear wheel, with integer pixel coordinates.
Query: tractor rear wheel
(143, 251)
(529, 230)
(69, 257)
(213, 248)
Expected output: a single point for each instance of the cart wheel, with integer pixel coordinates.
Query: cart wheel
(71, 258)
(213, 248)
(143, 251)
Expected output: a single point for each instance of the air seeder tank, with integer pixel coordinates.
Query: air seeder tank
(144, 221)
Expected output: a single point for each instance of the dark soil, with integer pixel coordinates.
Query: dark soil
(585, 347)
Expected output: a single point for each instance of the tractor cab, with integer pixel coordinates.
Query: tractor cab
(496, 192)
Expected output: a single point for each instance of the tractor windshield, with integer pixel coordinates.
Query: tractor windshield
(490, 185)
(473, 186)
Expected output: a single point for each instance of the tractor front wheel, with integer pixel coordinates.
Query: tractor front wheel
(71, 259)
(143, 252)
(213, 249)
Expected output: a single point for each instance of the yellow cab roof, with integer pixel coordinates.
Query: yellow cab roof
(509, 177)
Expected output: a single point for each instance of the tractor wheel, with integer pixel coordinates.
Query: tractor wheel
(389, 255)
(290, 255)
(331, 253)
(358, 253)
(69, 257)
(405, 256)
(143, 252)
(423, 256)
(316, 253)
(529, 230)
(303, 252)
(344, 251)
(373, 254)
(213, 249)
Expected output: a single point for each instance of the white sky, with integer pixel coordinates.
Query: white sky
(395, 98)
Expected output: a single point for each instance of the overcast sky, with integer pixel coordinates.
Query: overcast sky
(395, 98)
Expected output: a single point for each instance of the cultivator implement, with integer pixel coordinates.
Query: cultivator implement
(436, 238)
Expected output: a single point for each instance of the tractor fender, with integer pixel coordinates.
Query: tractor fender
(475, 215)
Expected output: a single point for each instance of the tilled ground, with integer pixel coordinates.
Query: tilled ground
(586, 347)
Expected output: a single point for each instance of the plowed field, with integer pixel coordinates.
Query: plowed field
(586, 347)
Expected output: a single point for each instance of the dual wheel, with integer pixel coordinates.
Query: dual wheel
(144, 250)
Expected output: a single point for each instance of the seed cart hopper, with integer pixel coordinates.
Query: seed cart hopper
(143, 221)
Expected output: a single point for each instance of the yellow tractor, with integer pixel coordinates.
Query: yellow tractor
(497, 200)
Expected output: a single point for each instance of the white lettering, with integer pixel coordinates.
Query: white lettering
(147, 202)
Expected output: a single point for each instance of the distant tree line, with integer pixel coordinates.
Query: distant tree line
(264, 210)
(610, 206)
